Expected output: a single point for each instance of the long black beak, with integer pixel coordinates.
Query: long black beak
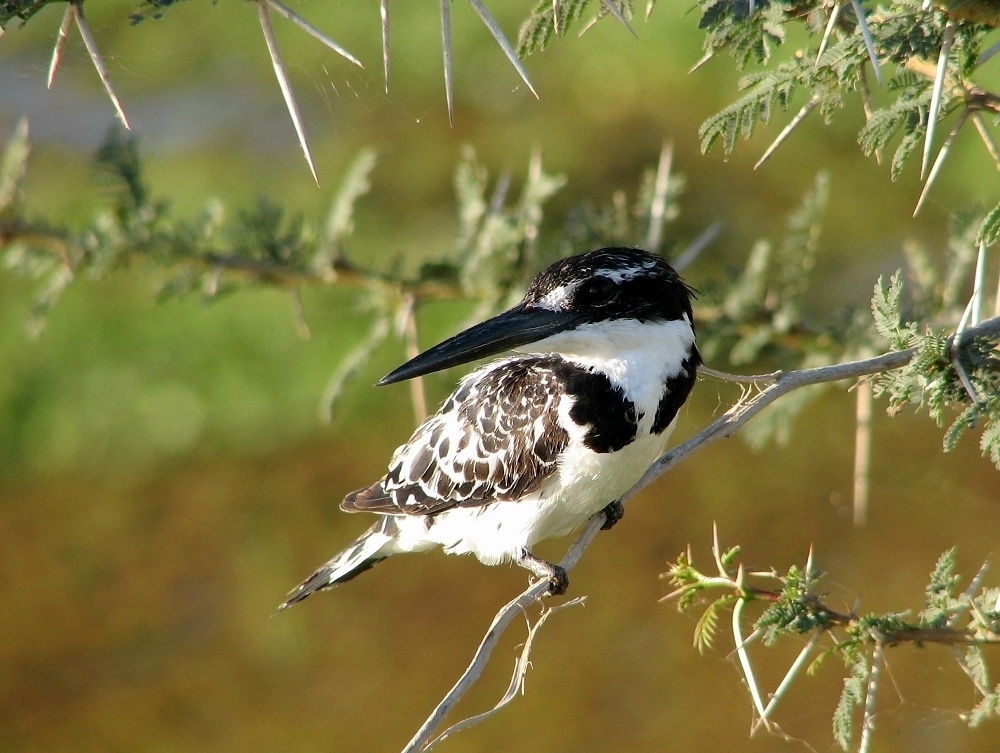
(515, 327)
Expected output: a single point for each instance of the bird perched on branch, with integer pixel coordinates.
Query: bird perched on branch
(530, 446)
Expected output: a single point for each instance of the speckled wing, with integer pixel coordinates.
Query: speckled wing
(496, 438)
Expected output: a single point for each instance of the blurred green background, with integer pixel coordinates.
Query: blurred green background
(165, 478)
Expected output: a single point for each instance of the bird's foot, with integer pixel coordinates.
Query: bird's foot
(555, 575)
(612, 514)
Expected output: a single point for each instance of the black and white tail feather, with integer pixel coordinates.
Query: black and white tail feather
(531, 446)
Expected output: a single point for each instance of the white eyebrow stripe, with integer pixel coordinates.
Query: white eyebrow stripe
(558, 299)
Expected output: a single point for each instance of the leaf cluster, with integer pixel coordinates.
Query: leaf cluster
(948, 374)
(794, 608)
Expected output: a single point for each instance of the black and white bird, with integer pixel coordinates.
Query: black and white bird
(530, 446)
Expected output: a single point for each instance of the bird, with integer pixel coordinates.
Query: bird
(530, 446)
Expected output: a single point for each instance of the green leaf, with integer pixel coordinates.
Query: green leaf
(989, 706)
(13, 167)
(704, 629)
(852, 695)
(988, 230)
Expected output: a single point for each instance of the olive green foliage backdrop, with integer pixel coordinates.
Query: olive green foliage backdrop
(167, 472)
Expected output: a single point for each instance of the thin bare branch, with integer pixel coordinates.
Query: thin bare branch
(284, 84)
(61, 36)
(659, 204)
(312, 31)
(449, 78)
(863, 452)
(383, 7)
(95, 56)
(500, 623)
(501, 40)
(725, 376)
(947, 39)
(516, 681)
(807, 108)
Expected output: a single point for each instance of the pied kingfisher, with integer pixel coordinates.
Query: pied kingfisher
(530, 446)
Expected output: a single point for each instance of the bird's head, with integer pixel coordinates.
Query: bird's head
(604, 291)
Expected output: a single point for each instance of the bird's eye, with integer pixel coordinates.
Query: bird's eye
(599, 291)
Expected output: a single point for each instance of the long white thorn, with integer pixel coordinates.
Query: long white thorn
(807, 108)
(827, 32)
(947, 39)
(741, 652)
(311, 30)
(95, 56)
(613, 10)
(383, 7)
(57, 51)
(939, 161)
(501, 40)
(449, 80)
(866, 34)
(284, 84)
(987, 137)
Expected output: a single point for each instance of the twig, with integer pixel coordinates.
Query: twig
(725, 376)
(516, 680)
(503, 618)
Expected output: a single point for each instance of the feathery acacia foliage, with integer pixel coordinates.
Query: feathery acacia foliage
(794, 608)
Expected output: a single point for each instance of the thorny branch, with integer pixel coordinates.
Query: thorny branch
(778, 384)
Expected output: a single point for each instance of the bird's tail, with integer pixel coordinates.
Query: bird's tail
(367, 551)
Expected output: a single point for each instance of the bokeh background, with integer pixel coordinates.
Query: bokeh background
(165, 478)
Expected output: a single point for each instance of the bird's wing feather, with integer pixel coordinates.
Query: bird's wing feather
(496, 438)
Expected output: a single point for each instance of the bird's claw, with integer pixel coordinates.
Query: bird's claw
(612, 514)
